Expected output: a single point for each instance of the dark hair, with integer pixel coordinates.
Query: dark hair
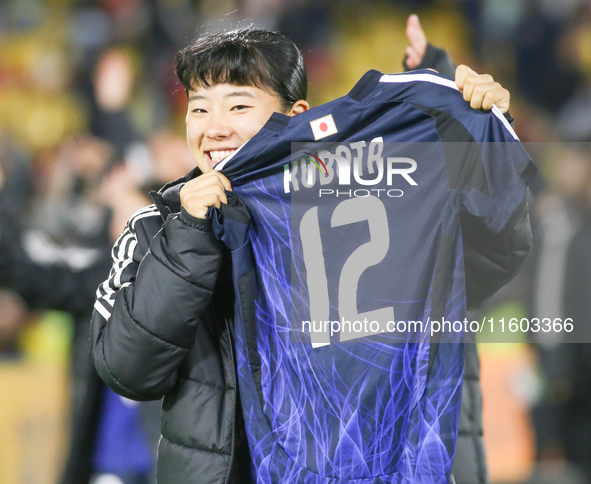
(245, 57)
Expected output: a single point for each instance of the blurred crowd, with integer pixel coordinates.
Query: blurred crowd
(92, 119)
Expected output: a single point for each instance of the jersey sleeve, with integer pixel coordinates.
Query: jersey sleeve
(494, 216)
(488, 172)
(501, 169)
(487, 167)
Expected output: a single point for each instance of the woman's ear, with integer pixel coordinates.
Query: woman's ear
(298, 107)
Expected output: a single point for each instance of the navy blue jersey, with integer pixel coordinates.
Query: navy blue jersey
(355, 219)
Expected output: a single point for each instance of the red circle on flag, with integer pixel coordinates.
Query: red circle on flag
(323, 127)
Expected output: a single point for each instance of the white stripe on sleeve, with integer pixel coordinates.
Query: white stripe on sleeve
(503, 119)
(101, 310)
(419, 77)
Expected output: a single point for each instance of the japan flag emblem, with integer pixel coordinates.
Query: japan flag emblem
(323, 127)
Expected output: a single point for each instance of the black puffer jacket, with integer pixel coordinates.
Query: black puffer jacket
(147, 344)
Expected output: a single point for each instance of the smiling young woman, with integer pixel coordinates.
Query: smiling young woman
(164, 320)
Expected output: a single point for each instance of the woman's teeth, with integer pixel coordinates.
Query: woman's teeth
(217, 156)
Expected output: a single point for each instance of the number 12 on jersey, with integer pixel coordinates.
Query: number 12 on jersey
(353, 210)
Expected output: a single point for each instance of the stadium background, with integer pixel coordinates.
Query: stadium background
(91, 115)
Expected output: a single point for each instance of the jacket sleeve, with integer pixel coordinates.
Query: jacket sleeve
(146, 313)
(492, 260)
(435, 58)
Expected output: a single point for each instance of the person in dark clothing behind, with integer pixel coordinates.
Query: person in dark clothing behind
(56, 285)
(561, 417)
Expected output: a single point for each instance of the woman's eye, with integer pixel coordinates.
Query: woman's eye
(199, 111)
(240, 107)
